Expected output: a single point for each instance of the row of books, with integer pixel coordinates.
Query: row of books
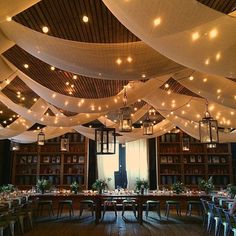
(27, 159)
(70, 179)
(170, 159)
(74, 170)
(26, 180)
(169, 179)
(51, 159)
(217, 159)
(74, 159)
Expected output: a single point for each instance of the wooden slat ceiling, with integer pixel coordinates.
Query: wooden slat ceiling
(225, 6)
(56, 80)
(64, 20)
(176, 87)
(19, 93)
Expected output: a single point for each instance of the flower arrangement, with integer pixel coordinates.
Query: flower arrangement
(9, 188)
(206, 185)
(141, 184)
(101, 184)
(178, 187)
(42, 185)
(75, 187)
(231, 190)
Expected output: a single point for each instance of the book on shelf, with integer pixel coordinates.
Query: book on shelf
(81, 159)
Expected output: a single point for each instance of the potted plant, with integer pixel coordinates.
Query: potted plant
(74, 187)
(9, 188)
(141, 184)
(206, 185)
(42, 185)
(101, 184)
(178, 187)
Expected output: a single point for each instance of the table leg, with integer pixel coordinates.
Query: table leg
(98, 208)
(140, 211)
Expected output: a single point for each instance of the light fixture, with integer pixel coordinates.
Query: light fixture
(185, 144)
(147, 125)
(208, 130)
(14, 146)
(65, 144)
(41, 138)
(125, 116)
(105, 139)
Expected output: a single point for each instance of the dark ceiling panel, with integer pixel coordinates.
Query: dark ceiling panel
(64, 20)
(56, 80)
(224, 6)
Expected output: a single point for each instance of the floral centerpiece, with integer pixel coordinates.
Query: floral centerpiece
(101, 184)
(42, 185)
(141, 184)
(75, 187)
(206, 185)
(178, 187)
(231, 190)
(9, 188)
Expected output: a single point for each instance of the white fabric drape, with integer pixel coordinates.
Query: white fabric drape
(136, 161)
(107, 165)
(86, 58)
(185, 31)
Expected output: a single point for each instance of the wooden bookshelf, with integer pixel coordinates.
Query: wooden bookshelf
(189, 166)
(61, 168)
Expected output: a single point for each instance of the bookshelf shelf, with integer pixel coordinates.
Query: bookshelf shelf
(61, 168)
(175, 164)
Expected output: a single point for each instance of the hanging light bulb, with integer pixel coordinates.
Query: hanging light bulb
(208, 130)
(125, 116)
(41, 138)
(147, 125)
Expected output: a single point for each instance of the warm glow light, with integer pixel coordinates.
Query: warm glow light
(191, 77)
(67, 83)
(72, 86)
(45, 29)
(70, 93)
(218, 55)
(183, 112)
(167, 85)
(74, 77)
(188, 105)
(129, 59)
(157, 21)
(52, 68)
(231, 113)
(195, 36)
(168, 92)
(205, 80)
(26, 66)
(54, 95)
(8, 18)
(139, 100)
(118, 61)
(85, 19)
(143, 76)
(163, 104)
(35, 99)
(213, 33)
(218, 91)
(207, 61)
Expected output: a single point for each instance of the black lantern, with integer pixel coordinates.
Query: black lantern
(41, 138)
(65, 144)
(14, 146)
(105, 139)
(208, 130)
(147, 126)
(185, 144)
(125, 124)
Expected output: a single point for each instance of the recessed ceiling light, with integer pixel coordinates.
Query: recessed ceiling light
(157, 21)
(8, 18)
(45, 29)
(118, 61)
(129, 59)
(26, 66)
(85, 19)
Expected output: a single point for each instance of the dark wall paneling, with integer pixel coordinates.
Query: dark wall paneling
(233, 150)
(5, 162)
(92, 168)
(152, 163)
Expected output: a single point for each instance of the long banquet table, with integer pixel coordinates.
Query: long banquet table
(99, 198)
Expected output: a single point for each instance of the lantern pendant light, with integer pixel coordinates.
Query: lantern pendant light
(125, 116)
(147, 125)
(208, 130)
(105, 139)
(41, 138)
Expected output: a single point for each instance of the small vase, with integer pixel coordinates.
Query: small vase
(100, 191)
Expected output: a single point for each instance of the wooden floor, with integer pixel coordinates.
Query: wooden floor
(85, 226)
